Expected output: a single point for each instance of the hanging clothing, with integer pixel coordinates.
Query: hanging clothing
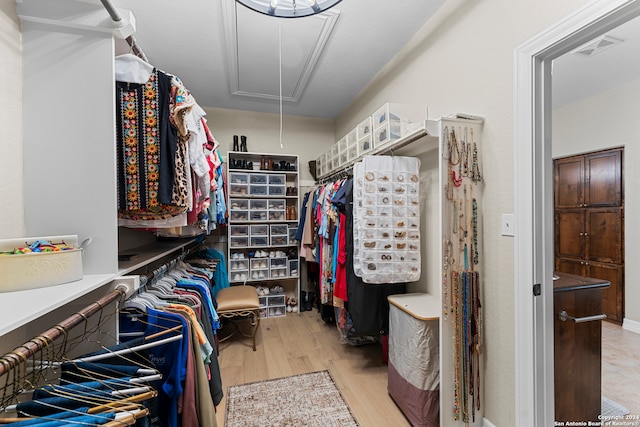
(368, 305)
(146, 148)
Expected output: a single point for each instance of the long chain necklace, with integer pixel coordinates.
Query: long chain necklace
(476, 255)
(475, 167)
(446, 259)
(455, 279)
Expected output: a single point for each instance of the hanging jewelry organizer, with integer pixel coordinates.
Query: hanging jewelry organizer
(462, 257)
(387, 219)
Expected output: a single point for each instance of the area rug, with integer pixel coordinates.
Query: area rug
(612, 409)
(311, 400)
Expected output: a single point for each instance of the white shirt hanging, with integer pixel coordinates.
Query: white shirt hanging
(132, 69)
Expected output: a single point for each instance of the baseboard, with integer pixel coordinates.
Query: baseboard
(487, 423)
(631, 325)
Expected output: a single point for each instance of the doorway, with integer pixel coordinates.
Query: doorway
(534, 240)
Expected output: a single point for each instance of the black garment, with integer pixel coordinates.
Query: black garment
(166, 140)
(367, 305)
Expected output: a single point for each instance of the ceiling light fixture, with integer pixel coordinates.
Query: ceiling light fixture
(289, 8)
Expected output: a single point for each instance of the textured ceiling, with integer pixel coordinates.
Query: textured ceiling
(195, 40)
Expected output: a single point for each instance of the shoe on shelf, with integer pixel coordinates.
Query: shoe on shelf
(236, 147)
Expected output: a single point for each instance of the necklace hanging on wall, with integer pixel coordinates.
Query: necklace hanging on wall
(475, 167)
(446, 144)
(454, 152)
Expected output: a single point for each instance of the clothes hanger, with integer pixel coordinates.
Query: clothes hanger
(132, 69)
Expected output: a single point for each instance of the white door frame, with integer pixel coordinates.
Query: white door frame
(534, 199)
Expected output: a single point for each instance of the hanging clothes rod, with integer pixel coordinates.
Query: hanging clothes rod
(115, 17)
(30, 348)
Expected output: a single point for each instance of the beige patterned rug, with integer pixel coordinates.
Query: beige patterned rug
(311, 400)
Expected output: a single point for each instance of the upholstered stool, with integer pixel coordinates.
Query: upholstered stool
(237, 303)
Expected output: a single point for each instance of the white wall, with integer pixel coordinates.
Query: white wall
(466, 65)
(307, 137)
(11, 171)
(603, 121)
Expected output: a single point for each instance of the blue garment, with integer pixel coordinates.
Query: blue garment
(171, 360)
(303, 217)
(40, 422)
(220, 276)
(208, 302)
(85, 388)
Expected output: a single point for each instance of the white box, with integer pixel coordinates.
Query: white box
(405, 113)
(39, 269)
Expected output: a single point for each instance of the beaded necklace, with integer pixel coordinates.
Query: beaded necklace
(475, 231)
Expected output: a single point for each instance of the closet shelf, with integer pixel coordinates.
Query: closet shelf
(144, 255)
(19, 308)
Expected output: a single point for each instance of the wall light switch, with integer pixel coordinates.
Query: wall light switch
(508, 228)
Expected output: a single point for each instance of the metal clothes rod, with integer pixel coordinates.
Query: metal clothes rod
(30, 348)
(115, 17)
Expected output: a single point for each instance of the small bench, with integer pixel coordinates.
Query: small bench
(237, 303)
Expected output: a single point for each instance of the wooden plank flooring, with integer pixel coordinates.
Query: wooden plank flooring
(621, 366)
(303, 342)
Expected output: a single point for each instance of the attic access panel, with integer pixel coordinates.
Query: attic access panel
(253, 38)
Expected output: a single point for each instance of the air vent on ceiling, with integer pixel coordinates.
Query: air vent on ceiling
(596, 46)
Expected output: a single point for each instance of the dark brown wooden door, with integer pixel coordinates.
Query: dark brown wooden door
(603, 178)
(569, 182)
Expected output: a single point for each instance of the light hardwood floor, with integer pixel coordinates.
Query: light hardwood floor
(303, 342)
(621, 366)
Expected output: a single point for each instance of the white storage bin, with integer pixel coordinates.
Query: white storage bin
(258, 205)
(238, 189)
(364, 129)
(238, 178)
(239, 230)
(258, 189)
(278, 229)
(238, 204)
(335, 150)
(280, 240)
(239, 216)
(40, 269)
(259, 264)
(276, 311)
(391, 112)
(259, 230)
(277, 179)
(389, 132)
(258, 178)
(293, 268)
(278, 273)
(259, 241)
(342, 145)
(292, 234)
(277, 205)
(276, 215)
(275, 300)
(277, 190)
(238, 242)
(258, 215)
(365, 144)
(277, 262)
